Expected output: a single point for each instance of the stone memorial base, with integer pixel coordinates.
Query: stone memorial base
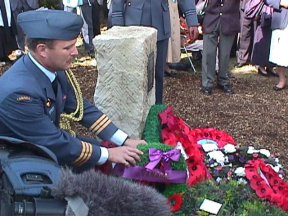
(125, 88)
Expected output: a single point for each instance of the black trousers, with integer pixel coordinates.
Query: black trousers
(162, 48)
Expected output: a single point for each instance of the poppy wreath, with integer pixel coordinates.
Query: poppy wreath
(159, 164)
(266, 183)
(176, 131)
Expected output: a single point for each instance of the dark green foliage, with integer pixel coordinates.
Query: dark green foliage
(174, 189)
(51, 4)
(236, 199)
(152, 130)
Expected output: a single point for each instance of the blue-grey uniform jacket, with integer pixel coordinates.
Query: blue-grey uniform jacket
(152, 13)
(30, 111)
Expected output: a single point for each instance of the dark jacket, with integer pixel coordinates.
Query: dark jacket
(225, 11)
(18, 4)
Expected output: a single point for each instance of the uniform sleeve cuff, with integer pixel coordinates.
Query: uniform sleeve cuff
(119, 137)
(104, 156)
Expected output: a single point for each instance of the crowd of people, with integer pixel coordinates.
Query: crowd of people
(12, 38)
(247, 27)
(242, 28)
(31, 113)
(261, 41)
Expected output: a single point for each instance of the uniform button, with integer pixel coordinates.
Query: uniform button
(129, 3)
(221, 5)
(220, 14)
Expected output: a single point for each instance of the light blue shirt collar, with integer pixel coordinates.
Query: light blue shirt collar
(51, 75)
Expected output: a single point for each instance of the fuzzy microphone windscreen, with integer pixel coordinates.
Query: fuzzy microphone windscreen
(111, 196)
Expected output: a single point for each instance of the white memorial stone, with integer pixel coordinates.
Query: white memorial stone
(126, 59)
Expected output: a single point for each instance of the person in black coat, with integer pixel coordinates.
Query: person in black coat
(220, 25)
(7, 32)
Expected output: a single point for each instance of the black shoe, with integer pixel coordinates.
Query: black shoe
(167, 74)
(230, 75)
(206, 91)
(262, 71)
(179, 66)
(227, 89)
(239, 65)
(276, 88)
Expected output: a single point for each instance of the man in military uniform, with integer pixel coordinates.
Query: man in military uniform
(35, 91)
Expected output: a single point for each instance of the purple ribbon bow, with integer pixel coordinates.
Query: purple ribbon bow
(150, 173)
(156, 156)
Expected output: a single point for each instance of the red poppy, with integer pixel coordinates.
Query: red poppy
(257, 183)
(194, 155)
(168, 137)
(176, 202)
(197, 174)
(165, 115)
(263, 192)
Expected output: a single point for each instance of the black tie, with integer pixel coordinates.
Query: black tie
(55, 85)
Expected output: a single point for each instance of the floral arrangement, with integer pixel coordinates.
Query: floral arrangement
(176, 132)
(159, 164)
(258, 168)
(210, 155)
(229, 162)
(236, 199)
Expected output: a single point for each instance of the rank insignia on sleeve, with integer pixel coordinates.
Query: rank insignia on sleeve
(24, 98)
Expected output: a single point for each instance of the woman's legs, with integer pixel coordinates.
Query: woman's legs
(282, 78)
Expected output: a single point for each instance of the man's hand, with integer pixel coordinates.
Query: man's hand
(193, 33)
(125, 155)
(134, 142)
